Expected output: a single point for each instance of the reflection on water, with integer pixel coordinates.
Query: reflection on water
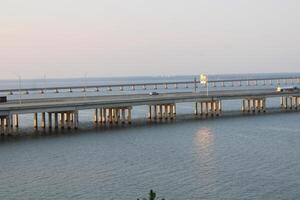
(204, 137)
(204, 147)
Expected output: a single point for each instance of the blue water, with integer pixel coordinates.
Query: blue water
(232, 157)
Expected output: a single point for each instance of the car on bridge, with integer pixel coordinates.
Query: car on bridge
(287, 88)
(153, 93)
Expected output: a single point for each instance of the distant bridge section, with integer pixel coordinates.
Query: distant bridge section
(189, 85)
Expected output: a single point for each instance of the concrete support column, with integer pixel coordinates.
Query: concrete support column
(117, 116)
(155, 112)
(281, 102)
(206, 108)
(171, 111)
(286, 103)
(166, 111)
(149, 112)
(217, 107)
(8, 123)
(49, 120)
(129, 116)
(62, 120)
(100, 115)
(76, 120)
(96, 116)
(258, 104)
(35, 120)
(16, 120)
(264, 105)
(43, 125)
(291, 103)
(160, 112)
(68, 123)
(123, 115)
(253, 105)
(248, 105)
(104, 117)
(56, 120)
(196, 108)
(243, 105)
(11, 120)
(201, 107)
(174, 110)
(110, 115)
(2, 121)
(65, 117)
(212, 108)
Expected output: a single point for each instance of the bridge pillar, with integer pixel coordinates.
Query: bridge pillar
(104, 115)
(286, 103)
(8, 124)
(155, 112)
(110, 115)
(96, 116)
(76, 120)
(243, 105)
(123, 115)
(16, 120)
(99, 115)
(174, 110)
(196, 108)
(160, 112)
(211, 110)
(62, 120)
(49, 120)
(117, 116)
(68, 120)
(35, 120)
(258, 105)
(206, 108)
(56, 120)
(171, 111)
(149, 112)
(291, 103)
(166, 111)
(253, 105)
(129, 115)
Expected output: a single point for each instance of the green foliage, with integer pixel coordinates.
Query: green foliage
(152, 196)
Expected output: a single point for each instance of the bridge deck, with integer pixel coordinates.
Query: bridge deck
(81, 103)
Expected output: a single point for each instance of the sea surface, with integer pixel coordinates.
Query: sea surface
(233, 157)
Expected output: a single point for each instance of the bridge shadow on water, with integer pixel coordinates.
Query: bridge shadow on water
(26, 133)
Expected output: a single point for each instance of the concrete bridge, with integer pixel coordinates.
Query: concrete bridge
(59, 113)
(191, 84)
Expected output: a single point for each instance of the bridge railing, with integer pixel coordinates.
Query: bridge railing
(190, 84)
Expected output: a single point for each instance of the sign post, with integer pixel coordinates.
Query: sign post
(204, 81)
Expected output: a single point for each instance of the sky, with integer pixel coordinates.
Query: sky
(103, 38)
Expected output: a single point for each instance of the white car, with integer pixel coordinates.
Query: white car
(286, 88)
(153, 93)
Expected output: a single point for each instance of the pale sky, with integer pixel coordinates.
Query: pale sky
(100, 38)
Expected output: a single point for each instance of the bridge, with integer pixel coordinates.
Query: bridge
(60, 113)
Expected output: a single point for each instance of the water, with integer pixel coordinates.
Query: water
(247, 157)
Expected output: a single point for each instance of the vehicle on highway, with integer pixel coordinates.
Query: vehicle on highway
(286, 88)
(153, 93)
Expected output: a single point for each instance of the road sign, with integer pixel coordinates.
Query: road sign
(203, 79)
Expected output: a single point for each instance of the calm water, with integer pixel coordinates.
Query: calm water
(247, 157)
